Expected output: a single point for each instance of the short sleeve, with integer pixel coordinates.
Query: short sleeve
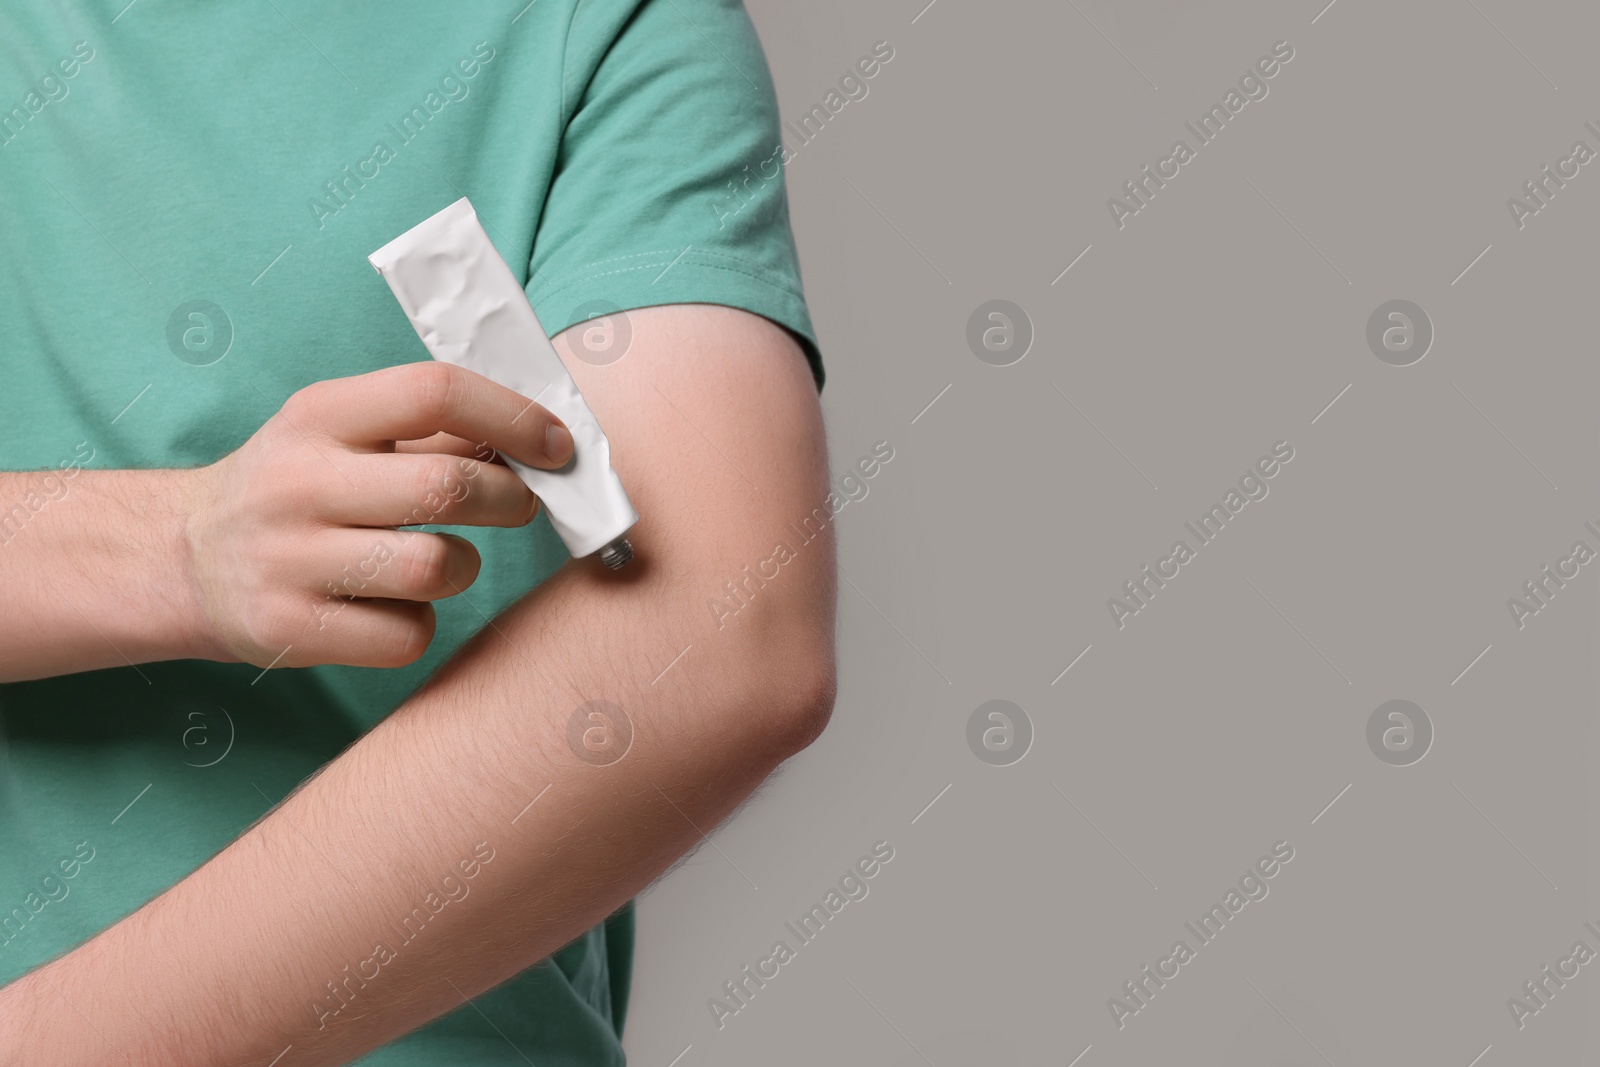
(669, 181)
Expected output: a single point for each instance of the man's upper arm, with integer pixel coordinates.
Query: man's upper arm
(717, 434)
(669, 187)
(666, 213)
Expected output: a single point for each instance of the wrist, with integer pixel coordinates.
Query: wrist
(184, 494)
(154, 610)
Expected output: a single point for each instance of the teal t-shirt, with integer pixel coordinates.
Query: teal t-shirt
(188, 193)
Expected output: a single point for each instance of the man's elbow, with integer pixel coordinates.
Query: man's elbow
(787, 667)
(810, 706)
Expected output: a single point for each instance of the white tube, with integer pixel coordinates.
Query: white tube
(469, 310)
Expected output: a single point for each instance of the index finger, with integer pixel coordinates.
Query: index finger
(418, 400)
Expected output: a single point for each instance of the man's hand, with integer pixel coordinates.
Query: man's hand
(293, 544)
(292, 550)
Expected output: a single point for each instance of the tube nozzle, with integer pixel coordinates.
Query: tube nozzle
(617, 554)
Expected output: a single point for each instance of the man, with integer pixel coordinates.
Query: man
(313, 733)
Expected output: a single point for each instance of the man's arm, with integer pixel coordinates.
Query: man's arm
(717, 433)
(242, 560)
(94, 561)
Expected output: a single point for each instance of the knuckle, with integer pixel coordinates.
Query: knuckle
(464, 471)
(303, 401)
(432, 386)
(427, 564)
(435, 478)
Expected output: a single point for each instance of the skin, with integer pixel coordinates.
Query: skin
(716, 431)
(237, 557)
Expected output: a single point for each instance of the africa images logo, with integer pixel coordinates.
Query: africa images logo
(852, 886)
(1253, 486)
(1252, 887)
(1252, 86)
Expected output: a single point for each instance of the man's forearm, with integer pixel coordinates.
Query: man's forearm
(490, 758)
(383, 826)
(91, 559)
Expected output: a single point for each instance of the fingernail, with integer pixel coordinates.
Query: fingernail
(558, 443)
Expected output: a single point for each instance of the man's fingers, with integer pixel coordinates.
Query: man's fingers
(371, 633)
(417, 490)
(418, 400)
(394, 565)
(448, 444)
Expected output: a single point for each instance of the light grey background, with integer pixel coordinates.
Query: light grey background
(1227, 715)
